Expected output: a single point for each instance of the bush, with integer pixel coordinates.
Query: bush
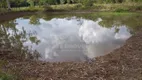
(87, 3)
(47, 8)
(139, 7)
(78, 6)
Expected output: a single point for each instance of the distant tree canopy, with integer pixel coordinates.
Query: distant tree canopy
(21, 3)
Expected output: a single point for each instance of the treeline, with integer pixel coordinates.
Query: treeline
(25, 3)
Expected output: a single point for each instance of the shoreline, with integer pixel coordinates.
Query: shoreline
(123, 63)
(12, 15)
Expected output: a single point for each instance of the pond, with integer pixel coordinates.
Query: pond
(71, 36)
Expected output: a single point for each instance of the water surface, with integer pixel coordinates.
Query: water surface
(72, 37)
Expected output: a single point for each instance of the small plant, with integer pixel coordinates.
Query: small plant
(4, 76)
(121, 10)
(87, 3)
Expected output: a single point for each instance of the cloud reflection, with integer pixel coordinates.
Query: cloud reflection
(74, 39)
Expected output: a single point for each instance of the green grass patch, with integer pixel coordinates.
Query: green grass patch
(123, 7)
(5, 76)
(36, 8)
(121, 10)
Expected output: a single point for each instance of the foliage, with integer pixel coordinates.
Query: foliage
(22, 3)
(47, 8)
(51, 2)
(63, 1)
(87, 3)
(15, 41)
(50, 5)
(121, 10)
(67, 7)
(118, 7)
(31, 2)
(4, 76)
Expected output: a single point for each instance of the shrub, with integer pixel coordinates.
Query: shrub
(47, 8)
(78, 6)
(139, 7)
(63, 1)
(87, 3)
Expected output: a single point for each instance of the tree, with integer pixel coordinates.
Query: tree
(3, 4)
(18, 3)
(42, 2)
(57, 1)
(31, 2)
(8, 5)
(51, 2)
(63, 1)
(68, 1)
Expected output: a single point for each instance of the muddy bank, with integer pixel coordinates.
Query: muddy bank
(13, 15)
(121, 64)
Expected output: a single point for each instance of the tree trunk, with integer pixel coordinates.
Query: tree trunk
(8, 5)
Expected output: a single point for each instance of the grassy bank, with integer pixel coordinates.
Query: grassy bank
(118, 7)
(123, 7)
(22, 9)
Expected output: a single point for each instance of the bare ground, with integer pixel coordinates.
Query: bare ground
(13, 15)
(124, 63)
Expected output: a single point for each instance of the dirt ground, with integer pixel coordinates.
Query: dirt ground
(124, 63)
(13, 15)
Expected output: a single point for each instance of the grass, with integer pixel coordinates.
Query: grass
(3, 74)
(67, 7)
(20, 9)
(123, 7)
(36, 8)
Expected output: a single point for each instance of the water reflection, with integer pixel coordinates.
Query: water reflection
(12, 39)
(66, 38)
(73, 39)
(102, 40)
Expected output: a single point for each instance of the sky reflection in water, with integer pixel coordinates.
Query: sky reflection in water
(73, 39)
